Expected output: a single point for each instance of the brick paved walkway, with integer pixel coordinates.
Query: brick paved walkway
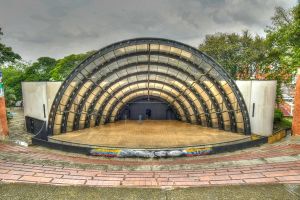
(280, 163)
(288, 172)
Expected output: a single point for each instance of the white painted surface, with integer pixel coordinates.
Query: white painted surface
(52, 88)
(259, 97)
(245, 89)
(263, 96)
(36, 95)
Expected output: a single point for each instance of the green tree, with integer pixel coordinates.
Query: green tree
(10, 75)
(12, 78)
(65, 65)
(40, 70)
(275, 57)
(241, 55)
(10, 97)
(6, 53)
(283, 40)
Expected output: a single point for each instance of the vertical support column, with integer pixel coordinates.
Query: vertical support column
(3, 119)
(148, 71)
(296, 113)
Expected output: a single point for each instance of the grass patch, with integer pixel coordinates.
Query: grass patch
(14, 191)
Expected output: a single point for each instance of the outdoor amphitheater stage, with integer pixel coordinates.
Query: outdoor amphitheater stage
(148, 134)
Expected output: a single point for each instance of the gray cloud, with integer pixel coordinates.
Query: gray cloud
(57, 28)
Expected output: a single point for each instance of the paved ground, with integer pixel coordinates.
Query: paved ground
(277, 163)
(16, 126)
(271, 171)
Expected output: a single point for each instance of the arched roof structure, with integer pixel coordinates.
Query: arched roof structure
(193, 84)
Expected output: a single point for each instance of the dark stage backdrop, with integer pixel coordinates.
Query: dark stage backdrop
(154, 109)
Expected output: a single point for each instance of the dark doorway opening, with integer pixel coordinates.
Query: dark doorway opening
(148, 113)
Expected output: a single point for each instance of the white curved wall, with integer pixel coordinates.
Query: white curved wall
(36, 96)
(260, 98)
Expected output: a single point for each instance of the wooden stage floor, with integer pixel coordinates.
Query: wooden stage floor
(149, 134)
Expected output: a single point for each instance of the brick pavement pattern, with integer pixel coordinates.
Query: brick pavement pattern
(278, 171)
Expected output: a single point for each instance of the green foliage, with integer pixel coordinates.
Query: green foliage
(40, 70)
(65, 65)
(12, 78)
(286, 122)
(278, 116)
(274, 58)
(240, 55)
(44, 69)
(10, 97)
(15, 73)
(283, 40)
(281, 122)
(6, 53)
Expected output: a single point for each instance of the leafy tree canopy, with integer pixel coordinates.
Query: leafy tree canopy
(44, 69)
(12, 78)
(283, 40)
(240, 55)
(6, 53)
(275, 57)
(65, 65)
(40, 70)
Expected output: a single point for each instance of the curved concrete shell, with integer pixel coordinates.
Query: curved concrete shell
(190, 82)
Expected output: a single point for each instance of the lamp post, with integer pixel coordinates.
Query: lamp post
(296, 113)
(3, 119)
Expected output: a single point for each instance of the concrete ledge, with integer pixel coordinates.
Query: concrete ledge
(151, 153)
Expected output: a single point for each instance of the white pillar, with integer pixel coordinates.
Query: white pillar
(260, 98)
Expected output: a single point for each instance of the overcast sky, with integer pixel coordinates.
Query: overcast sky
(57, 28)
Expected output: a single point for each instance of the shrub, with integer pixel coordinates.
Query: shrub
(278, 116)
